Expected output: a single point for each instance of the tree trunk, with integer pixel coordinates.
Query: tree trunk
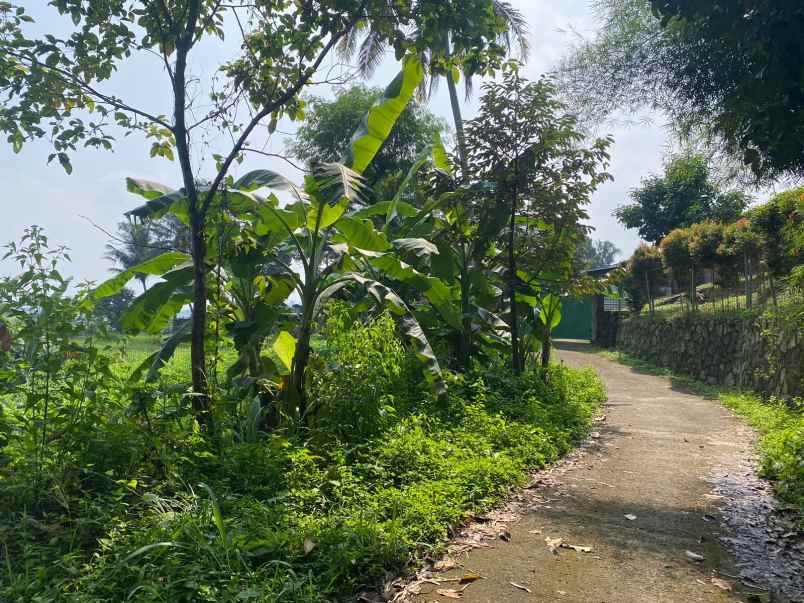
(546, 347)
(515, 359)
(301, 358)
(772, 287)
(748, 283)
(198, 354)
(458, 119)
(200, 399)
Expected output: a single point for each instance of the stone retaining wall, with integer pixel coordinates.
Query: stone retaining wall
(763, 353)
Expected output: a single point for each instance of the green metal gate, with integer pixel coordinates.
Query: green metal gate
(576, 319)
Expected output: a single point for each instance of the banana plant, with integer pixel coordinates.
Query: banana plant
(324, 235)
(314, 227)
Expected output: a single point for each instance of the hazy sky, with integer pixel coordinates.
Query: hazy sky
(42, 194)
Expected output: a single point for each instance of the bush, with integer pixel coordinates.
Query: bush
(781, 426)
(677, 256)
(293, 519)
(364, 379)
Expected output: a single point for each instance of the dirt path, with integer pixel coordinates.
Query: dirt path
(654, 458)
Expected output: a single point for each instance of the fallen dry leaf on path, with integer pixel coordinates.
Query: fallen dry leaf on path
(630, 516)
(534, 531)
(445, 564)
(575, 547)
(450, 593)
(553, 544)
(694, 556)
(520, 587)
(722, 584)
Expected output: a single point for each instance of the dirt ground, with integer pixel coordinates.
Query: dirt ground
(646, 496)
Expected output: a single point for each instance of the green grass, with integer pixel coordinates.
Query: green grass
(780, 425)
(139, 507)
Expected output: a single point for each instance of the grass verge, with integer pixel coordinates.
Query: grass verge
(285, 517)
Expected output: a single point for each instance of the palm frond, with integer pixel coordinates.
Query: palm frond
(516, 33)
(371, 53)
(348, 44)
(350, 184)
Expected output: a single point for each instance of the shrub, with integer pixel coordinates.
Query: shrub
(365, 379)
(293, 520)
(677, 256)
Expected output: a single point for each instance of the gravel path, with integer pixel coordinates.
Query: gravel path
(643, 496)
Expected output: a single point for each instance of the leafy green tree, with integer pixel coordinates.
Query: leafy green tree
(135, 243)
(529, 150)
(684, 195)
(329, 125)
(677, 258)
(596, 254)
(643, 275)
(725, 72)
(56, 85)
(447, 54)
(111, 309)
(317, 229)
(779, 223)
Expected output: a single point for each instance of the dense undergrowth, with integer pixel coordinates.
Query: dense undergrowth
(780, 424)
(136, 505)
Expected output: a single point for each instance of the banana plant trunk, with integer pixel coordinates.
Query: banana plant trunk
(546, 346)
(301, 359)
(465, 351)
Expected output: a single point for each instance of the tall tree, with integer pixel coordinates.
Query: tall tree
(330, 123)
(726, 72)
(684, 195)
(529, 150)
(448, 56)
(596, 254)
(135, 243)
(56, 86)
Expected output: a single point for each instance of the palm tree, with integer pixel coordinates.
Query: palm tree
(134, 244)
(371, 50)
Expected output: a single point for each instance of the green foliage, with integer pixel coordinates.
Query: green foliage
(643, 275)
(742, 75)
(728, 81)
(329, 125)
(676, 254)
(164, 516)
(779, 224)
(681, 197)
(527, 152)
(705, 238)
(596, 254)
(110, 310)
(366, 371)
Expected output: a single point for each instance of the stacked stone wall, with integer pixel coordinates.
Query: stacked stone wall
(763, 352)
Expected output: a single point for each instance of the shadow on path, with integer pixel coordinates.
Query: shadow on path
(652, 460)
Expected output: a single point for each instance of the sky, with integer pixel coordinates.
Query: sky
(37, 193)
